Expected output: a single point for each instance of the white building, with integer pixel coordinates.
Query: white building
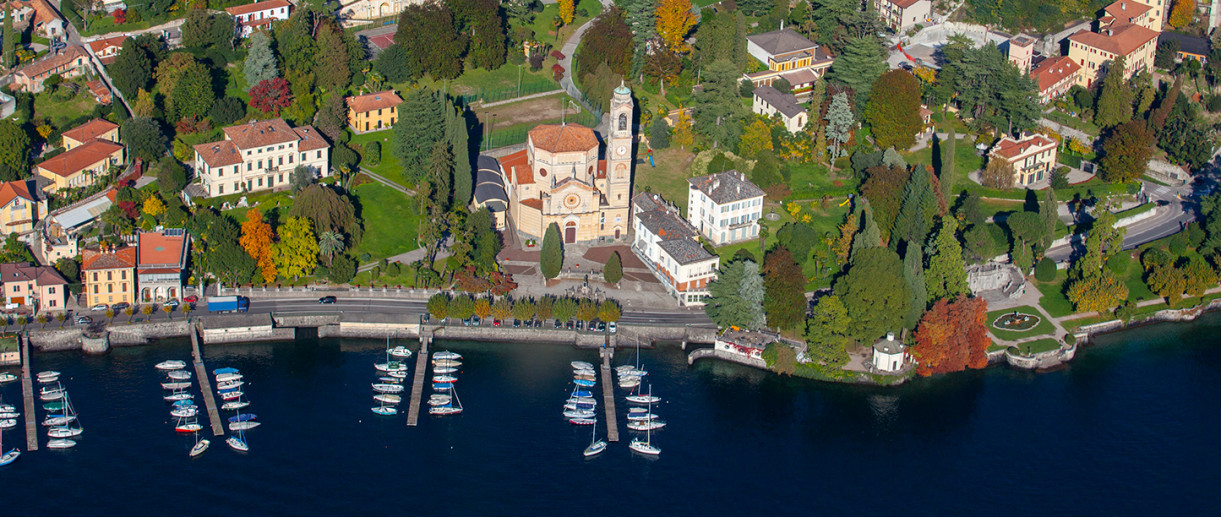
(260, 155)
(671, 249)
(901, 15)
(770, 102)
(725, 207)
(889, 355)
(259, 15)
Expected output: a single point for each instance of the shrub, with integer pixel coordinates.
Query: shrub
(1177, 244)
(1045, 270)
(1214, 102)
(1118, 263)
(1070, 339)
(1195, 235)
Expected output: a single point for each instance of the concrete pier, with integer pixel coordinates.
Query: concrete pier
(205, 387)
(417, 383)
(608, 396)
(27, 389)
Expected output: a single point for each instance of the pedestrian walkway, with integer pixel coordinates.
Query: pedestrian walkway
(378, 178)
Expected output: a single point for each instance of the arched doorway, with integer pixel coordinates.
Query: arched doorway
(384, 10)
(617, 229)
(570, 232)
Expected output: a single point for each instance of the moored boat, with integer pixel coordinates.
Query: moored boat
(58, 420)
(584, 383)
(175, 385)
(178, 396)
(53, 406)
(580, 413)
(184, 412)
(7, 377)
(229, 385)
(48, 376)
(582, 394)
(244, 418)
(228, 377)
(388, 388)
(642, 399)
(243, 426)
(64, 432)
(446, 354)
(8, 423)
(387, 398)
(200, 447)
(645, 425)
(400, 352)
(385, 410)
(392, 366)
(189, 427)
(438, 399)
(582, 421)
(235, 404)
(581, 365)
(444, 370)
(172, 364)
(444, 378)
(61, 444)
(636, 417)
(179, 375)
(443, 386)
(237, 443)
(232, 395)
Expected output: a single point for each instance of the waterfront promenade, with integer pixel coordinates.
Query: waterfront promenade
(205, 387)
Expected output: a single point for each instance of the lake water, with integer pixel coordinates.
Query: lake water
(1130, 427)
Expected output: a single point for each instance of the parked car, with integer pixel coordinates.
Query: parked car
(516, 323)
(580, 325)
(466, 322)
(172, 303)
(120, 306)
(495, 322)
(568, 324)
(611, 327)
(191, 299)
(84, 320)
(558, 324)
(99, 307)
(475, 321)
(327, 300)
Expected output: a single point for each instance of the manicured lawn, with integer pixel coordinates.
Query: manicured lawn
(813, 180)
(389, 166)
(497, 85)
(59, 110)
(1037, 346)
(273, 205)
(1054, 301)
(390, 220)
(669, 178)
(1042, 327)
(965, 160)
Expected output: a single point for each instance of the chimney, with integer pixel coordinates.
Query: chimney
(890, 336)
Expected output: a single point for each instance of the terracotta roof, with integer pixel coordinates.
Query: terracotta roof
(100, 46)
(20, 272)
(90, 130)
(76, 160)
(902, 4)
(261, 133)
(159, 248)
(1051, 71)
(516, 167)
(11, 190)
(1122, 40)
(98, 89)
(256, 7)
(782, 41)
(219, 154)
(38, 68)
(372, 101)
(310, 139)
(1125, 10)
(534, 203)
(1008, 148)
(121, 258)
(563, 139)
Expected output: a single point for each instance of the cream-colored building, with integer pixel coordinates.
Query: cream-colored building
(790, 56)
(96, 129)
(1033, 157)
(725, 207)
(1055, 77)
(769, 102)
(21, 207)
(260, 155)
(373, 111)
(109, 276)
(1125, 30)
(559, 179)
(670, 247)
(901, 15)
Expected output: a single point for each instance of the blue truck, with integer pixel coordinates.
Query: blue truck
(228, 304)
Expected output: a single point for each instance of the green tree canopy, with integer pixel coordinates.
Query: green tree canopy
(784, 300)
(874, 293)
(613, 270)
(893, 111)
(736, 296)
(718, 109)
(552, 257)
(1126, 152)
(945, 276)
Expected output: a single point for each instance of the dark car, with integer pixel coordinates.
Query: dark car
(427, 317)
(516, 323)
(120, 306)
(475, 321)
(601, 326)
(568, 324)
(580, 325)
(327, 300)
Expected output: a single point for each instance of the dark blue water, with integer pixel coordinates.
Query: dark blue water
(1129, 428)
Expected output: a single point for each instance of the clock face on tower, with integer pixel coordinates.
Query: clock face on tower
(622, 150)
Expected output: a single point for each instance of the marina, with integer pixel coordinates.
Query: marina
(205, 388)
(417, 383)
(608, 396)
(27, 389)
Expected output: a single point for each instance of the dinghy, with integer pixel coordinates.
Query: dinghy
(444, 370)
(584, 383)
(175, 385)
(172, 364)
(61, 444)
(53, 406)
(179, 375)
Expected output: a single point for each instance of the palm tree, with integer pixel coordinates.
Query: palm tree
(329, 243)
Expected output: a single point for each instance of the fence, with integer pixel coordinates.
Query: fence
(533, 86)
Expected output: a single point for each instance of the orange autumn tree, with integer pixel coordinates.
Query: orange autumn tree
(952, 336)
(256, 240)
(674, 21)
(1182, 13)
(567, 9)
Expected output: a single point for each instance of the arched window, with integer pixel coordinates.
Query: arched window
(623, 122)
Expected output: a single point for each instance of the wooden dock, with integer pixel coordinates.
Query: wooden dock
(608, 397)
(27, 389)
(205, 387)
(417, 383)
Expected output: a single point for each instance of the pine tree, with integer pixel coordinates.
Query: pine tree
(718, 108)
(840, 122)
(1049, 213)
(612, 272)
(8, 36)
(552, 257)
(1114, 106)
(860, 66)
(945, 276)
(916, 214)
(870, 236)
(947, 166)
(917, 292)
(260, 62)
(421, 123)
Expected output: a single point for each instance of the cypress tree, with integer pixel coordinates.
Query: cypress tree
(869, 236)
(1049, 212)
(945, 276)
(613, 271)
(458, 136)
(916, 213)
(8, 35)
(552, 257)
(947, 167)
(913, 277)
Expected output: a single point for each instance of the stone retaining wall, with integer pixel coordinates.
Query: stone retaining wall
(320, 320)
(141, 333)
(53, 340)
(247, 336)
(725, 356)
(1042, 360)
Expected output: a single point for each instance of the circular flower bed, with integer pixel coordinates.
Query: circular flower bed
(1016, 321)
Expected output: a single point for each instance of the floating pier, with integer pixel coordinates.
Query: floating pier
(608, 396)
(205, 386)
(27, 389)
(417, 383)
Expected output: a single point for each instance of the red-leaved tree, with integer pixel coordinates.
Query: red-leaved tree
(271, 95)
(120, 16)
(952, 336)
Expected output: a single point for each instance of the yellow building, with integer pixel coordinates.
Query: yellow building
(373, 111)
(1128, 29)
(21, 206)
(109, 276)
(96, 129)
(790, 56)
(1033, 156)
(559, 179)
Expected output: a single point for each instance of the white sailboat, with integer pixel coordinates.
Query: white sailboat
(10, 456)
(596, 446)
(71, 426)
(238, 442)
(61, 443)
(175, 385)
(179, 375)
(453, 407)
(646, 447)
(201, 445)
(171, 365)
(387, 398)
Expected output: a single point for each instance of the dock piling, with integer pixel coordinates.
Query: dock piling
(417, 383)
(205, 386)
(27, 388)
(608, 397)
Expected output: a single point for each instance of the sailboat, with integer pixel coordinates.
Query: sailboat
(201, 445)
(171, 365)
(238, 442)
(646, 447)
(453, 407)
(9, 456)
(179, 375)
(48, 376)
(596, 446)
(67, 429)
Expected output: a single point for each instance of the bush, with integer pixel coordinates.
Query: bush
(1118, 263)
(372, 153)
(1195, 235)
(343, 269)
(1059, 178)
(1214, 102)
(227, 111)
(1177, 244)
(1045, 270)
(1070, 339)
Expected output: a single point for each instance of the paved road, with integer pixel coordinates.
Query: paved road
(1182, 209)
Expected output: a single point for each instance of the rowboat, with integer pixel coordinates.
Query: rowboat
(7, 377)
(172, 364)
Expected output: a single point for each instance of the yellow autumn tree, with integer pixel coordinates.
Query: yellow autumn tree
(153, 206)
(684, 137)
(1182, 13)
(567, 8)
(256, 240)
(296, 254)
(756, 138)
(674, 21)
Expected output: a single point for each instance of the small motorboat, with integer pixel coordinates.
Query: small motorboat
(392, 366)
(200, 447)
(637, 411)
(178, 396)
(229, 385)
(184, 412)
(53, 406)
(444, 410)
(636, 417)
(235, 404)
(64, 432)
(179, 375)
(9, 457)
(400, 352)
(582, 394)
(243, 426)
(188, 427)
(444, 378)
(172, 364)
(48, 376)
(237, 444)
(61, 444)
(445, 363)
(583, 372)
(446, 354)
(175, 385)
(47, 396)
(244, 418)
(642, 399)
(632, 373)
(582, 421)
(7, 377)
(580, 406)
(645, 425)
(584, 383)
(58, 420)
(4, 415)
(581, 365)
(582, 400)
(388, 388)
(7, 408)
(385, 410)
(184, 403)
(443, 386)
(390, 380)
(232, 395)
(397, 374)
(8, 423)
(579, 413)
(387, 398)
(228, 377)
(444, 370)
(629, 382)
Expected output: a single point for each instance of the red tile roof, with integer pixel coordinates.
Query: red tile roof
(1009, 148)
(371, 101)
(256, 7)
(103, 45)
(261, 133)
(44, 67)
(90, 130)
(516, 167)
(1125, 10)
(159, 249)
(219, 154)
(1051, 71)
(1122, 40)
(11, 190)
(310, 139)
(562, 139)
(121, 258)
(534, 203)
(903, 4)
(76, 160)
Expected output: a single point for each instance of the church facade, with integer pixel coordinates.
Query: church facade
(562, 178)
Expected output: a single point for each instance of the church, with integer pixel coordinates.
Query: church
(561, 178)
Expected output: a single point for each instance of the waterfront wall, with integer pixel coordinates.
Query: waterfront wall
(1085, 332)
(702, 353)
(53, 340)
(141, 333)
(1042, 360)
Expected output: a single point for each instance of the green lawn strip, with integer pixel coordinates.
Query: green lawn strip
(405, 278)
(8, 343)
(60, 112)
(994, 348)
(1037, 346)
(1042, 327)
(388, 167)
(1054, 301)
(813, 181)
(1146, 207)
(1077, 123)
(668, 178)
(390, 221)
(272, 204)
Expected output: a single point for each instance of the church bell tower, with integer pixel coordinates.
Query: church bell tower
(619, 152)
